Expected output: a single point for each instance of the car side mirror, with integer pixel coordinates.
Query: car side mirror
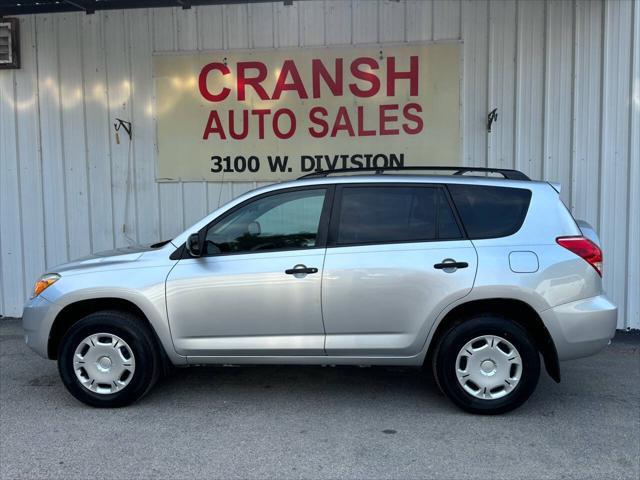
(193, 245)
(254, 228)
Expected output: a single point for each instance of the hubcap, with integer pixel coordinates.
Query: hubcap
(104, 363)
(488, 367)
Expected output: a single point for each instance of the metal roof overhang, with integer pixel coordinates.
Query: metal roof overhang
(25, 7)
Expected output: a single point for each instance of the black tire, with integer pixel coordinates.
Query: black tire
(450, 344)
(135, 333)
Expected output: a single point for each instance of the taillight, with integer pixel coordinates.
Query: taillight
(584, 248)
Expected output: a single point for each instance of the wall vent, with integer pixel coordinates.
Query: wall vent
(9, 43)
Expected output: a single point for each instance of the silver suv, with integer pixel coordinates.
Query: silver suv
(472, 275)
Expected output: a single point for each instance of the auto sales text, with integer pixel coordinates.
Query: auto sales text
(362, 78)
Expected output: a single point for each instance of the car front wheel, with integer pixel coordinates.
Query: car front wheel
(108, 359)
(487, 365)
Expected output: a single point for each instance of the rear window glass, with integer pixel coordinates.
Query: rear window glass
(489, 212)
(394, 214)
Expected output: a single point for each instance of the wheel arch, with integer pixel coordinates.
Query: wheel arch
(76, 311)
(518, 311)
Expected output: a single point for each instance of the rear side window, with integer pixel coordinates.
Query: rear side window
(394, 214)
(490, 212)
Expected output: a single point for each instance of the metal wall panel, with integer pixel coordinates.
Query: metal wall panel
(530, 63)
(53, 169)
(475, 31)
(97, 123)
(632, 314)
(502, 91)
(558, 70)
(392, 22)
(564, 76)
(260, 26)
(30, 167)
(446, 19)
(419, 20)
(287, 24)
(312, 25)
(615, 161)
(11, 242)
(119, 91)
(586, 120)
(147, 213)
(73, 135)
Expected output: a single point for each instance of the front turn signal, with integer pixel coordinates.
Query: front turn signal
(44, 282)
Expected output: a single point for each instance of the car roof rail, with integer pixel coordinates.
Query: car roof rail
(506, 173)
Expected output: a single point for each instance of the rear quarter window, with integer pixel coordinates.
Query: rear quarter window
(490, 212)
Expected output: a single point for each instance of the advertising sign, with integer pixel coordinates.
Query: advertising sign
(269, 115)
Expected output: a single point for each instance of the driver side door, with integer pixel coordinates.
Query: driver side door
(256, 291)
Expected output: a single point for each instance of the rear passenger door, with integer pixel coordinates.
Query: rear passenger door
(385, 276)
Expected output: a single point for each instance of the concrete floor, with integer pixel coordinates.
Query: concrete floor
(313, 422)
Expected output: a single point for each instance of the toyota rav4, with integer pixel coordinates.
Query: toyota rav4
(479, 276)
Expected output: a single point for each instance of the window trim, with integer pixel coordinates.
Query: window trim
(321, 240)
(337, 204)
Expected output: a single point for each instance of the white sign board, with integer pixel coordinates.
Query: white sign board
(276, 114)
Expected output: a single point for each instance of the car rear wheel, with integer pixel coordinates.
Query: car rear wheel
(108, 359)
(487, 365)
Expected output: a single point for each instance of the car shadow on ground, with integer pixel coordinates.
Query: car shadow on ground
(267, 385)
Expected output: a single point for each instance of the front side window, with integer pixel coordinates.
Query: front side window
(284, 221)
(394, 214)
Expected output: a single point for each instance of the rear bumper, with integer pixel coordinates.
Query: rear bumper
(581, 328)
(37, 318)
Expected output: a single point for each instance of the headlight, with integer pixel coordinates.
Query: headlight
(44, 282)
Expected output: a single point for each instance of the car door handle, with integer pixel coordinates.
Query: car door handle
(448, 263)
(300, 269)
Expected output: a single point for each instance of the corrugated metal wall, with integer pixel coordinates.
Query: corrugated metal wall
(564, 76)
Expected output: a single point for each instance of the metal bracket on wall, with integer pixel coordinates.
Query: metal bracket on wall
(122, 124)
(492, 117)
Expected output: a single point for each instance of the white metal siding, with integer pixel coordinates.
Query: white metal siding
(564, 75)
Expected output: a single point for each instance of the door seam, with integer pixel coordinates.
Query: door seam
(324, 328)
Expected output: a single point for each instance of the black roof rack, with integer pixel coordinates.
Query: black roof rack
(506, 173)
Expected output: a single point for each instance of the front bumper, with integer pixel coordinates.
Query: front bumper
(583, 327)
(37, 318)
